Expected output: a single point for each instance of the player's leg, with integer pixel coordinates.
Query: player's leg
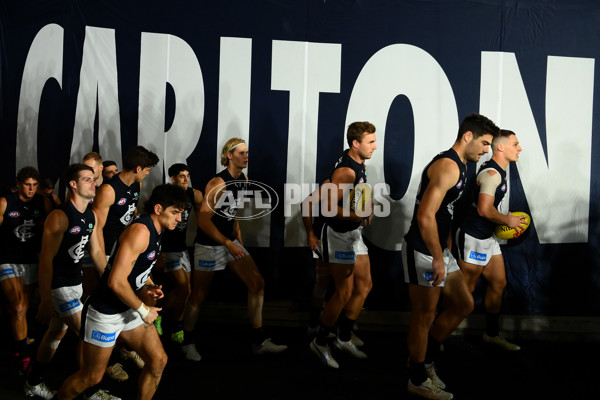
(145, 341)
(495, 274)
(13, 288)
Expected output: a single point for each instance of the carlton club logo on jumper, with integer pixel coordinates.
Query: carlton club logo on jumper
(235, 195)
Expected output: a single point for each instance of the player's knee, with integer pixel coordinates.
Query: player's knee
(467, 306)
(257, 285)
(499, 284)
(158, 362)
(19, 309)
(365, 287)
(344, 293)
(94, 378)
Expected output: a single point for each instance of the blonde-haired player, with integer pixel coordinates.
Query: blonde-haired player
(218, 245)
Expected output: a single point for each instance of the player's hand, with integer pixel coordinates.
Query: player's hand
(150, 294)
(236, 251)
(516, 221)
(439, 272)
(45, 312)
(313, 241)
(152, 315)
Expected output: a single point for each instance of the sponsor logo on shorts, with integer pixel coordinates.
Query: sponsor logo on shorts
(14, 214)
(75, 230)
(206, 264)
(345, 255)
(8, 271)
(428, 275)
(151, 255)
(122, 201)
(172, 264)
(104, 337)
(69, 305)
(473, 255)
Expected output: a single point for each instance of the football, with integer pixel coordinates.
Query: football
(505, 232)
(360, 199)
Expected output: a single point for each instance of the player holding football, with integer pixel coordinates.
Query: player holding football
(342, 250)
(477, 248)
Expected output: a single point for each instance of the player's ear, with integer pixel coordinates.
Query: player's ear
(158, 209)
(468, 136)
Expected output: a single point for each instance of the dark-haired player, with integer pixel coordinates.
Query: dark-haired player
(175, 253)
(22, 215)
(429, 267)
(115, 308)
(115, 206)
(67, 231)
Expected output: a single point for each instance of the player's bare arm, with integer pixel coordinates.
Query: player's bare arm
(132, 242)
(2, 209)
(488, 182)
(216, 186)
(54, 228)
(343, 178)
(105, 197)
(307, 218)
(443, 175)
(96, 250)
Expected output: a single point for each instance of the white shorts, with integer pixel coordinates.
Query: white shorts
(102, 330)
(213, 258)
(476, 251)
(67, 300)
(175, 260)
(418, 269)
(29, 272)
(341, 247)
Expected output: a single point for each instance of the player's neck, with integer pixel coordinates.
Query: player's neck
(353, 154)
(234, 171)
(501, 161)
(79, 202)
(23, 198)
(126, 176)
(460, 150)
(157, 224)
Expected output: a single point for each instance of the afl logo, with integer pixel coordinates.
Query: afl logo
(75, 230)
(151, 255)
(459, 185)
(14, 214)
(503, 188)
(122, 201)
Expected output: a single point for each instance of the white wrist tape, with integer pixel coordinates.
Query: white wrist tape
(143, 311)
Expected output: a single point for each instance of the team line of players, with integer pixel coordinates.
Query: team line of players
(95, 234)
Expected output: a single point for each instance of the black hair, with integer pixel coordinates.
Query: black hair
(167, 195)
(26, 173)
(175, 169)
(72, 173)
(139, 156)
(479, 125)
